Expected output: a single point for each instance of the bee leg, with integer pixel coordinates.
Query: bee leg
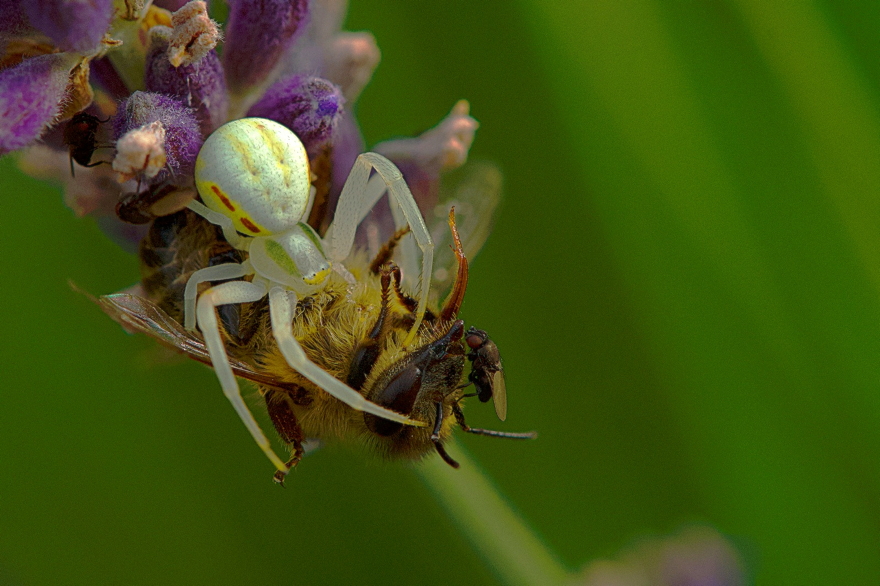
(296, 454)
(284, 419)
(232, 292)
(281, 314)
(384, 254)
(215, 273)
(358, 198)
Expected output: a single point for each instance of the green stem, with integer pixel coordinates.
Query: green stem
(509, 546)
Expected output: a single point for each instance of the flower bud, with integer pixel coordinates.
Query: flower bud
(30, 98)
(350, 62)
(310, 106)
(193, 34)
(170, 5)
(183, 139)
(72, 26)
(257, 33)
(200, 84)
(442, 148)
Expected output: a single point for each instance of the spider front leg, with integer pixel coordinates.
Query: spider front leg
(358, 197)
(232, 236)
(281, 313)
(216, 273)
(233, 292)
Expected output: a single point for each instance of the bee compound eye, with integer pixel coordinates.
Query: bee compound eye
(399, 395)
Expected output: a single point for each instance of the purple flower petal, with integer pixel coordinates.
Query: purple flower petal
(350, 60)
(200, 85)
(171, 5)
(442, 148)
(310, 106)
(257, 34)
(105, 76)
(421, 160)
(183, 138)
(30, 98)
(14, 22)
(73, 26)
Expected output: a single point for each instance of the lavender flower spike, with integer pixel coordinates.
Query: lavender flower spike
(310, 106)
(183, 139)
(257, 33)
(72, 26)
(200, 85)
(30, 98)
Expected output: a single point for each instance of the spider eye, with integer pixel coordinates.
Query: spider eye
(398, 395)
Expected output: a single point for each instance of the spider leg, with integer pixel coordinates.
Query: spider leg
(358, 196)
(215, 273)
(218, 219)
(281, 313)
(233, 292)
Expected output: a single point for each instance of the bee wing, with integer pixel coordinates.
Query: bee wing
(475, 191)
(499, 394)
(141, 315)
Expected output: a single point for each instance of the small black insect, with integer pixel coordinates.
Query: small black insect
(81, 137)
(487, 374)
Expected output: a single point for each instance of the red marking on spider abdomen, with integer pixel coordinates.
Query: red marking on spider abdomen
(223, 198)
(249, 225)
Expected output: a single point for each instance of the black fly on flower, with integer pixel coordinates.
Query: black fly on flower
(267, 248)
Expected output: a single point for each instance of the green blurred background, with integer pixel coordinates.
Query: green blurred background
(683, 281)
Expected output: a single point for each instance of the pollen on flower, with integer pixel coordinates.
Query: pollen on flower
(193, 34)
(140, 152)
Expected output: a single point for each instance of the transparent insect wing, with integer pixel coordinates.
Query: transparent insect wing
(143, 316)
(499, 394)
(475, 191)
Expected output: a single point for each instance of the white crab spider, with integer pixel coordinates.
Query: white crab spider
(253, 175)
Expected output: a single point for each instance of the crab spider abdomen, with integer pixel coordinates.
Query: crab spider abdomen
(255, 172)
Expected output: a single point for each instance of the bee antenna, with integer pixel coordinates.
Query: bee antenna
(505, 434)
(459, 416)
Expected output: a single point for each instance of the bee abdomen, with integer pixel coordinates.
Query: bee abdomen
(176, 246)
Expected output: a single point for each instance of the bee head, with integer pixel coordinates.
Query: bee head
(418, 380)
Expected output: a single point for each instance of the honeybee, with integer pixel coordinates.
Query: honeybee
(401, 355)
